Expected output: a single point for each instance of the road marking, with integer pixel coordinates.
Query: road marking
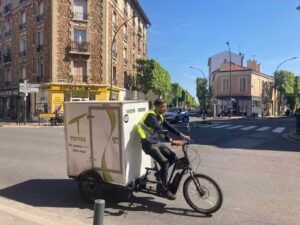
(248, 128)
(278, 129)
(263, 128)
(222, 126)
(234, 127)
(210, 125)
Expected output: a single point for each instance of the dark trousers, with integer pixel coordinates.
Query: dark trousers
(163, 155)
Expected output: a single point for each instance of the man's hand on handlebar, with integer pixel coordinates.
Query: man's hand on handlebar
(186, 137)
(177, 142)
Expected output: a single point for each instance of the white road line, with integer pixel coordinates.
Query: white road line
(222, 126)
(278, 129)
(210, 125)
(235, 127)
(248, 128)
(263, 128)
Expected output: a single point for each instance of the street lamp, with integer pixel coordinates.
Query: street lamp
(284, 62)
(198, 70)
(204, 77)
(282, 77)
(111, 55)
(227, 43)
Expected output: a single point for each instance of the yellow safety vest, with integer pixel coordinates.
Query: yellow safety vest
(143, 130)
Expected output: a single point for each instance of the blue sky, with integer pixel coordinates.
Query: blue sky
(187, 32)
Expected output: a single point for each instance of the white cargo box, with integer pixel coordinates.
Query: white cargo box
(103, 136)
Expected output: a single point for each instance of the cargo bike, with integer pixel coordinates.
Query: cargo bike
(104, 151)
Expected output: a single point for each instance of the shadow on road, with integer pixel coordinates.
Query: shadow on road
(63, 193)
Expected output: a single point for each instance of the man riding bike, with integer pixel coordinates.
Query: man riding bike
(150, 128)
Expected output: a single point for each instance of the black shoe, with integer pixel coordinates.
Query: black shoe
(169, 195)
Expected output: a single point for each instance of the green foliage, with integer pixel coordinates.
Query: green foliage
(152, 76)
(202, 91)
(284, 82)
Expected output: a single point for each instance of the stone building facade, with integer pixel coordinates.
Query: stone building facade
(63, 47)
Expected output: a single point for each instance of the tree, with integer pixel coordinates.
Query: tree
(152, 76)
(202, 91)
(284, 83)
(145, 75)
(177, 92)
(297, 91)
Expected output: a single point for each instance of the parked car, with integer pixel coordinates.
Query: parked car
(175, 115)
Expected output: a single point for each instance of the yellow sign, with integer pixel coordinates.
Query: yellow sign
(57, 100)
(47, 115)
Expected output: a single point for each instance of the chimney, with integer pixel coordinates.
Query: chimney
(253, 65)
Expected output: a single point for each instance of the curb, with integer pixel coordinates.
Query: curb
(28, 126)
(294, 136)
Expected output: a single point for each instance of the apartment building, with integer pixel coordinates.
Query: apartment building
(65, 47)
(250, 90)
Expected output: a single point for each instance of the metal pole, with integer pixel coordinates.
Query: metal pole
(111, 56)
(229, 78)
(99, 211)
(25, 103)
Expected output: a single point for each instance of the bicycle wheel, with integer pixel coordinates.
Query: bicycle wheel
(207, 198)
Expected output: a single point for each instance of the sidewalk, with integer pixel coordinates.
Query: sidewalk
(16, 213)
(27, 125)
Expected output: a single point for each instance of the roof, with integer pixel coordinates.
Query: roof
(137, 5)
(234, 67)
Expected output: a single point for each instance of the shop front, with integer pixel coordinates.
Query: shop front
(55, 94)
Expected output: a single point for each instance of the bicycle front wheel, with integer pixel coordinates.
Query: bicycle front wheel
(202, 193)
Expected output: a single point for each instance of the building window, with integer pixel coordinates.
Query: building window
(139, 44)
(80, 10)
(114, 21)
(23, 72)
(22, 25)
(225, 86)
(40, 11)
(133, 61)
(133, 39)
(125, 56)
(8, 28)
(125, 33)
(40, 69)
(114, 49)
(126, 8)
(40, 40)
(80, 35)
(243, 84)
(22, 47)
(114, 75)
(80, 71)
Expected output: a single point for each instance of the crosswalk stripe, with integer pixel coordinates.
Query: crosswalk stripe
(209, 125)
(248, 128)
(263, 128)
(234, 127)
(278, 129)
(222, 126)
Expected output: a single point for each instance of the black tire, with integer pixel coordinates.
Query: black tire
(89, 185)
(209, 187)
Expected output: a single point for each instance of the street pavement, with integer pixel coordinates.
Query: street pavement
(257, 168)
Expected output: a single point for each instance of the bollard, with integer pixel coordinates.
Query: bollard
(99, 211)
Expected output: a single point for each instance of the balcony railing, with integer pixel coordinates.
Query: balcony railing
(22, 53)
(22, 26)
(8, 33)
(7, 58)
(80, 47)
(23, 1)
(39, 17)
(40, 48)
(81, 16)
(8, 8)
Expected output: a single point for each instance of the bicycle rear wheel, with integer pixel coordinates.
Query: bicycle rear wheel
(202, 193)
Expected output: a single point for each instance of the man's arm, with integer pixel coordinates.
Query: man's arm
(175, 131)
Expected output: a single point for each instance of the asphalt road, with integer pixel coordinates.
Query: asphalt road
(258, 172)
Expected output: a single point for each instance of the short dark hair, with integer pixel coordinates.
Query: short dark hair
(158, 101)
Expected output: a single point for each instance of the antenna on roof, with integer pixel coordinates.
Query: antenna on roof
(253, 57)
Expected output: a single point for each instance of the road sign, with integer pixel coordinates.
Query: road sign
(29, 88)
